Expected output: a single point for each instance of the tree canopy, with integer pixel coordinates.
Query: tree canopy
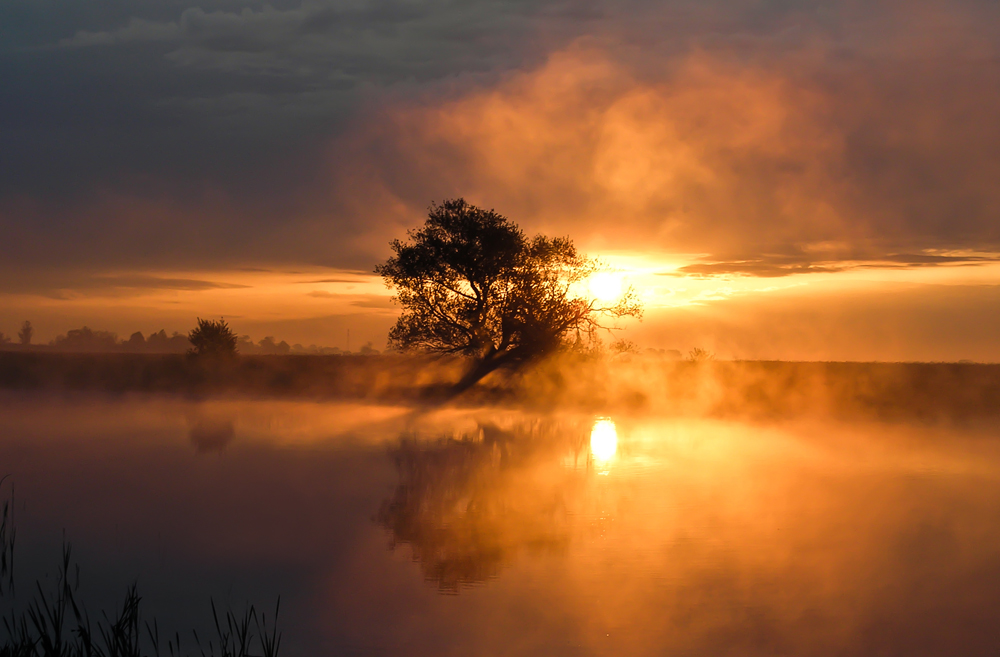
(471, 282)
(26, 333)
(213, 338)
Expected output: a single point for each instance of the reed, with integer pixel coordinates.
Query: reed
(7, 536)
(56, 623)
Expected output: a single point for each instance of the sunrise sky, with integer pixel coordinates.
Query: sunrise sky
(779, 179)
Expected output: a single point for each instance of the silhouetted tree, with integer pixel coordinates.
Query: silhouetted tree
(245, 345)
(86, 340)
(160, 342)
(26, 333)
(136, 342)
(212, 338)
(470, 282)
(624, 347)
(268, 346)
(699, 355)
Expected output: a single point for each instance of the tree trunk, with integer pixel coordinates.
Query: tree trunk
(476, 373)
(484, 367)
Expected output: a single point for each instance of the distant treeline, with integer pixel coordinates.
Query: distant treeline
(87, 340)
(373, 377)
(598, 384)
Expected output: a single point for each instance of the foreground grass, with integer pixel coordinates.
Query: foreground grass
(56, 623)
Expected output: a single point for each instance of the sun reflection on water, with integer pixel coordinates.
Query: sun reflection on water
(603, 440)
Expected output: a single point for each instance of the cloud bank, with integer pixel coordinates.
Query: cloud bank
(309, 132)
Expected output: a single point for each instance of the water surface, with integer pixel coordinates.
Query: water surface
(488, 532)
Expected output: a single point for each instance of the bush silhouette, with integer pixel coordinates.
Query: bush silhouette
(212, 338)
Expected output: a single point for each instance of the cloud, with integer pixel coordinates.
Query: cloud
(751, 268)
(146, 282)
(359, 274)
(584, 142)
(312, 133)
(324, 40)
(137, 30)
(375, 302)
(57, 285)
(775, 266)
(710, 153)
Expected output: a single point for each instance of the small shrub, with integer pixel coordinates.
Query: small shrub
(698, 355)
(213, 338)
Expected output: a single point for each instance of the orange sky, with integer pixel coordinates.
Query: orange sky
(940, 313)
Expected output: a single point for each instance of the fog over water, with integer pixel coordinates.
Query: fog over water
(489, 531)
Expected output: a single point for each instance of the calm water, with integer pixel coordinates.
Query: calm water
(478, 532)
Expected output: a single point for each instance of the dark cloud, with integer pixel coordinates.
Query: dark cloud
(751, 268)
(218, 91)
(59, 285)
(775, 266)
(139, 134)
(376, 302)
(138, 281)
(338, 280)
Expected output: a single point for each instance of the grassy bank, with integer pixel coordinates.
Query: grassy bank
(354, 377)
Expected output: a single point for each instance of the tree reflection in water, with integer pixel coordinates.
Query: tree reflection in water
(466, 506)
(211, 434)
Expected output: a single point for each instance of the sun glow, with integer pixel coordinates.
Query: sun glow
(607, 285)
(603, 440)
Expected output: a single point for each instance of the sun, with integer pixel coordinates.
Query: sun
(606, 285)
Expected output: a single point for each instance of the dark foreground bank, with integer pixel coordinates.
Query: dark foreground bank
(722, 388)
